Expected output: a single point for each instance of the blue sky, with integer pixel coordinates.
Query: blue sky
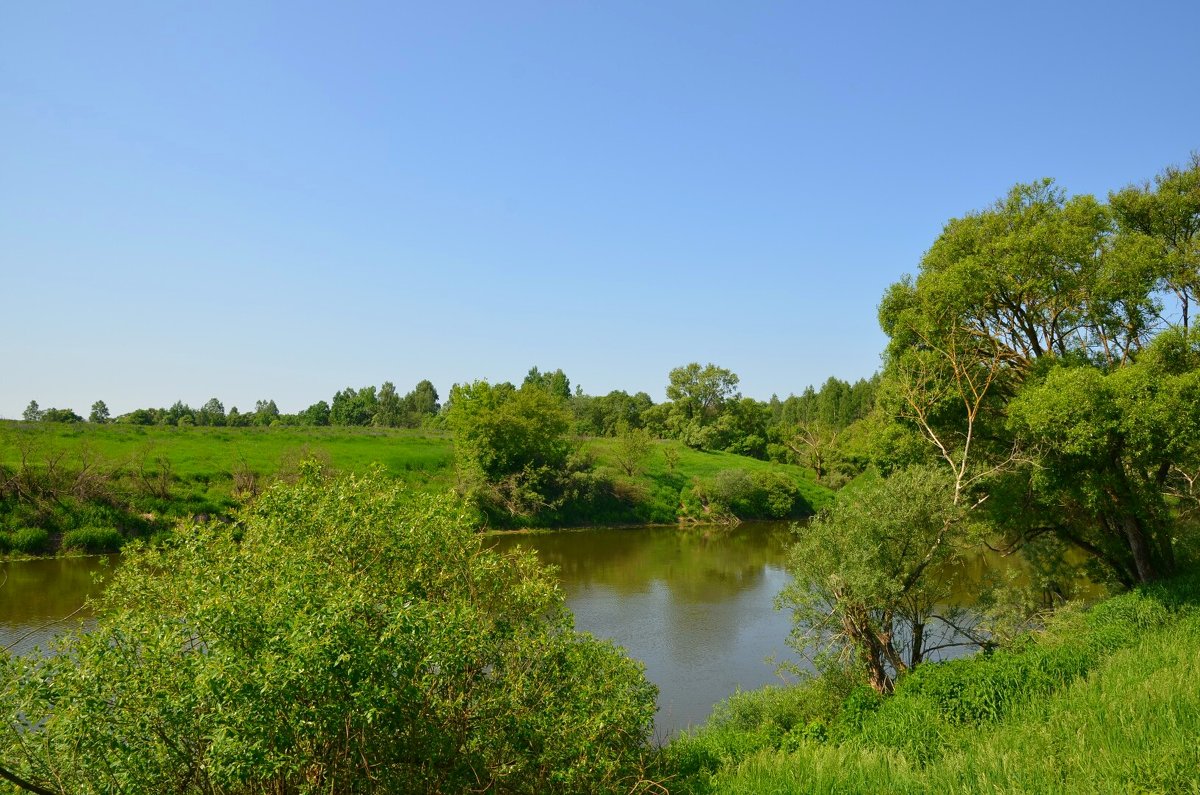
(252, 201)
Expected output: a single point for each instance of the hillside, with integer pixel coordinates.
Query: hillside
(91, 479)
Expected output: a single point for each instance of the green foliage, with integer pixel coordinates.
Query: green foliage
(93, 539)
(421, 404)
(60, 415)
(632, 447)
(29, 540)
(865, 588)
(605, 415)
(513, 457)
(344, 636)
(32, 413)
(353, 407)
(556, 383)
(99, 412)
(1160, 228)
(734, 494)
(699, 395)
(1116, 449)
(1053, 707)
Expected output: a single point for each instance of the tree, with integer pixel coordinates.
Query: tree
(316, 415)
(362, 639)
(632, 447)
(389, 407)
(1160, 225)
(60, 415)
(1005, 299)
(1117, 453)
(512, 451)
(99, 413)
(699, 394)
(265, 412)
(556, 383)
(603, 415)
(353, 407)
(866, 591)
(212, 413)
(421, 403)
(704, 390)
(32, 413)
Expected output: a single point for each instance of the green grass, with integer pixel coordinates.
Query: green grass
(1103, 701)
(663, 483)
(216, 452)
(156, 475)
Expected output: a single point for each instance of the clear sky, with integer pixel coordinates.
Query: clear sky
(249, 200)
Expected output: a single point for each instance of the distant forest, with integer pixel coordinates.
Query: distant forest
(705, 411)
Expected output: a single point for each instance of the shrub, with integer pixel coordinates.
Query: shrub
(93, 539)
(342, 636)
(29, 540)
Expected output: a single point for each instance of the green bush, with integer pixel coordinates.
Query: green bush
(740, 494)
(342, 636)
(29, 540)
(93, 539)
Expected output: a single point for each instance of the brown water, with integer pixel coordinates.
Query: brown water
(40, 599)
(695, 605)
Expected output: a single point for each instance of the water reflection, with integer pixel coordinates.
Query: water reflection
(696, 606)
(41, 598)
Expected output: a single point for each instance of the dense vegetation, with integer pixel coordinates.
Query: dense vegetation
(343, 635)
(90, 487)
(1040, 392)
(1041, 388)
(1103, 700)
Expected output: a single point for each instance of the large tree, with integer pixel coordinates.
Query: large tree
(1034, 298)
(698, 395)
(99, 413)
(1160, 226)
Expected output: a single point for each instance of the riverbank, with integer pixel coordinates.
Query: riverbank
(90, 488)
(1102, 700)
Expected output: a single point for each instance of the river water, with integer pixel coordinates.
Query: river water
(695, 605)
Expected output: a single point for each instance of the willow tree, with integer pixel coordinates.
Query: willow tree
(1024, 315)
(869, 590)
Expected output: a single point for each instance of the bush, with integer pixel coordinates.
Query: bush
(738, 494)
(29, 540)
(93, 539)
(342, 636)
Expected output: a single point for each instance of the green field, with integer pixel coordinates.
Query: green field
(143, 479)
(214, 453)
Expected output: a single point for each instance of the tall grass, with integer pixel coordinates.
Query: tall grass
(1106, 700)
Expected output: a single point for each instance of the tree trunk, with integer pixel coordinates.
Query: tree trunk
(1140, 547)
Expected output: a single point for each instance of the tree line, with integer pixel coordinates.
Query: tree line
(368, 406)
(704, 411)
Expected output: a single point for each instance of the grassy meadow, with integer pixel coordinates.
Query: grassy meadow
(80, 481)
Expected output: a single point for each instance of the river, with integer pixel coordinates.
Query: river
(695, 605)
